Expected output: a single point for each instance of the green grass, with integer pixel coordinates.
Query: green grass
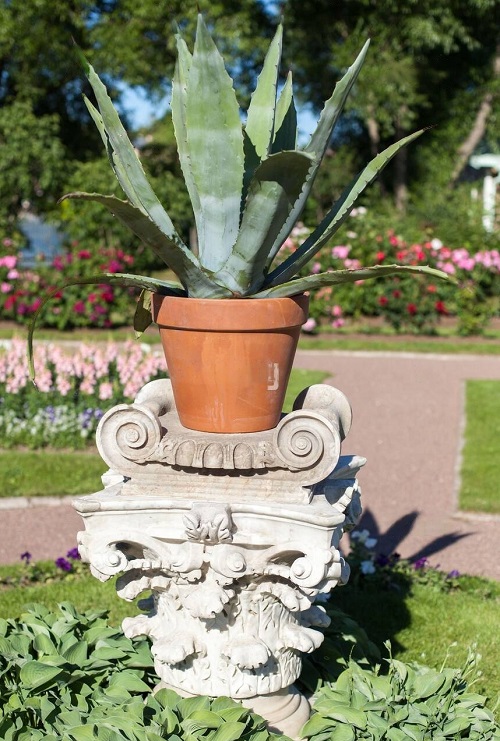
(375, 343)
(480, 490)
(382, 341)
(429, 625)
(426, 626)
(32, 473)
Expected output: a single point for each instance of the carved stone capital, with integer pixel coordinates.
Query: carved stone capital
(146, 443)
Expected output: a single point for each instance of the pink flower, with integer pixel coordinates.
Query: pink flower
(309, 326)
(340, 251)
(8, 261)
(105, 391)
(12, 274)
(84, 254)
(5, 287)
(79, 307)
(336, 310)
(337, 323)
(316, 267)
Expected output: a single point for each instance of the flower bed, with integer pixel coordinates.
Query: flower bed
(407, 304)
(21, 289)
(75, 387)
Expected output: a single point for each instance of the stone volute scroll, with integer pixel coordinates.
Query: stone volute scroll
(231, 537)
(146, 443)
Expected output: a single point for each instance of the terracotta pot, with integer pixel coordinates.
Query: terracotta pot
(229, 360)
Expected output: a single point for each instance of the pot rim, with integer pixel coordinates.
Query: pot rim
(244, 314)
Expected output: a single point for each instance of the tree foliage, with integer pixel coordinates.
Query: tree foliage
(427, 59)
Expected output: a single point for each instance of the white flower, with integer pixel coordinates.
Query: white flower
(436, 243)
(367, 567)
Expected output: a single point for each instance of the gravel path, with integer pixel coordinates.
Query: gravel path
(408, 422)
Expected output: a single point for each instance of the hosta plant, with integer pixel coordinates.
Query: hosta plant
(248, 182)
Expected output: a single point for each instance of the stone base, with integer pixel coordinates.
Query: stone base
(286, 711)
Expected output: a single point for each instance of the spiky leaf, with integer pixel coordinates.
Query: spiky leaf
(261, 111)
(142, 315)
(178, 106)
(337, 215)
(273, 191)
(319, 142)
(184, 264)
(337, 277)
(166, 288)
(126, 162)
(215, 143)
(285, 127)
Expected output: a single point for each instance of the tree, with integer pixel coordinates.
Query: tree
(425, 56)
(129, 43)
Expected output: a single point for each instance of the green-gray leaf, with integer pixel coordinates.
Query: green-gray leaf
(337, 215)
(142, 315)
(273, 191)
(319, 142)
(261, 111)
(119, 279)
(337, 277)
(215, 142)
(184, 264)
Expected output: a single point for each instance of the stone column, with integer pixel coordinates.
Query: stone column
(233, 537)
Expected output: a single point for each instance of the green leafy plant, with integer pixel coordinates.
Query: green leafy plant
(248, 184)
(69, 675)
(410, 701)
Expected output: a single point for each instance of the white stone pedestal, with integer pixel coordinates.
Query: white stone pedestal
(233, 536)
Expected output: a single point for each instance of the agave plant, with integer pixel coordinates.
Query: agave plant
(248, 183)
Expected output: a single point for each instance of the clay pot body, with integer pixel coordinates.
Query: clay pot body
(229, 360)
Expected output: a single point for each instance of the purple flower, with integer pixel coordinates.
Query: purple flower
(26, 557)
(420, 564)
(63, 564)
(382, 560)
(453, 574)
(73, 554)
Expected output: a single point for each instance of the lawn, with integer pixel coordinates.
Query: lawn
(480, 490)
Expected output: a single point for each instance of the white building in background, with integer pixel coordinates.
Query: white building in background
(491, 163)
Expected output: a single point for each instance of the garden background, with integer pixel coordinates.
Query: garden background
(431, 64)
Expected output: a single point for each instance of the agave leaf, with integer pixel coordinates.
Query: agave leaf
(336, 277)
(166, 288)
(319, 142)
(337, 215)
(142, 315)
(185, 265)
(215, 142)
(273, 191)
(178, 106)
(260, 117)
(285, 126)
(126, 163)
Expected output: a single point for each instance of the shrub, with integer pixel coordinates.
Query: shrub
(103, 306)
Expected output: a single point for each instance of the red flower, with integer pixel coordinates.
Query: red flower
(108, 296)
(383, 301)
(10, 301)
(440, 307)
(84, 254)
(114, 266)
(79, 307)
(396, 294)
(431, 288)
(379, 257)
(411, 309)
(401, 255)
